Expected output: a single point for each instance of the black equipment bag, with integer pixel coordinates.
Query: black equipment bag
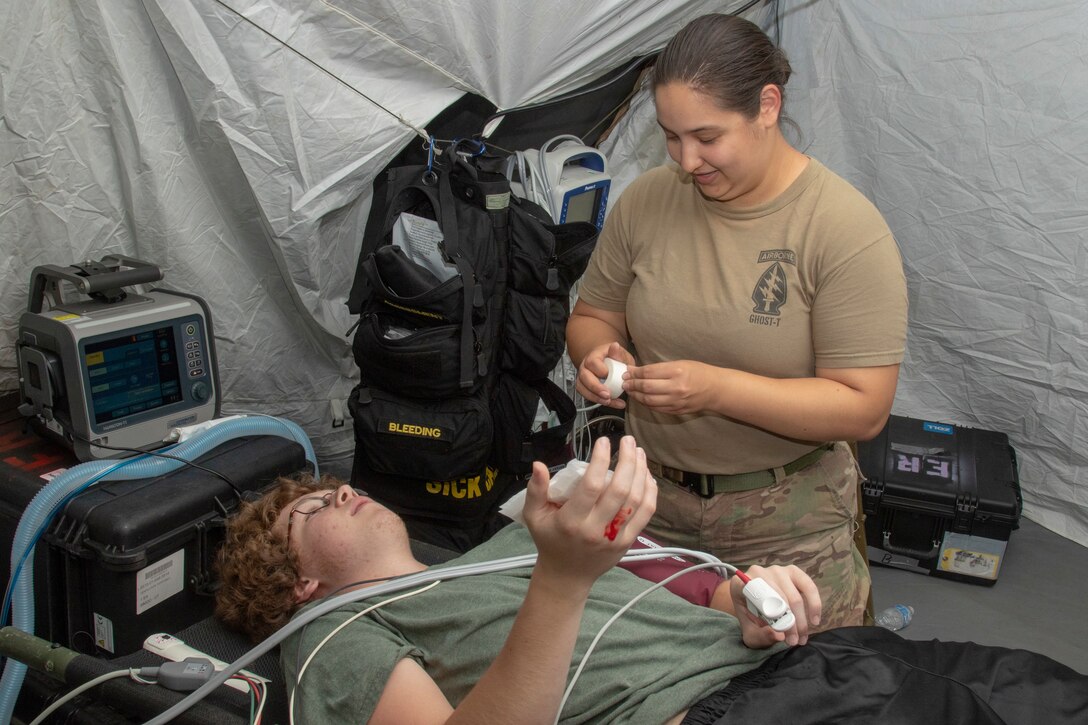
(454, 352)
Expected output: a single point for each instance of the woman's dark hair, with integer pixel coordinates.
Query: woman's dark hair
(727, 58)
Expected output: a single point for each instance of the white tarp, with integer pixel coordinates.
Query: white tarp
(233, 142)
(966, 122)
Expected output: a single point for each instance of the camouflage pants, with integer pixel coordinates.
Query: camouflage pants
(807, 519)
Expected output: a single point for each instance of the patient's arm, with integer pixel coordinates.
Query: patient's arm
(410, 697)
(520, 686)
(576, 542)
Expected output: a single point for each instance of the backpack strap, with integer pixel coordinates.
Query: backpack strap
(447, 203)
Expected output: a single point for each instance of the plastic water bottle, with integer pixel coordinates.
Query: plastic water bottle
(895, 618)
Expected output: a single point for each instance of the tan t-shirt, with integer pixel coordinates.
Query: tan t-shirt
(810, 279)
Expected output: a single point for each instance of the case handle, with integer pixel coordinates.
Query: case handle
(908, 551)
(107, 276)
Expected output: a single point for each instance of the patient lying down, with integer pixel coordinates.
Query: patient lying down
(502, 647)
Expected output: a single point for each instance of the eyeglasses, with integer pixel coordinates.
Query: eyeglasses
(307, 507)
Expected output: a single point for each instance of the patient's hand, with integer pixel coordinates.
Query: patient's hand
(799, 591)
(581, 538)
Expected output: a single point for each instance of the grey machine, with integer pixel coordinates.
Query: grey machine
(112, 367)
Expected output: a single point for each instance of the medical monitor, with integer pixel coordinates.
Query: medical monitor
(121, 371)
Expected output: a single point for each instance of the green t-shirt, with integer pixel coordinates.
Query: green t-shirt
(655, 661)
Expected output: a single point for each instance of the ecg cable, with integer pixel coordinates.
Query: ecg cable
(406, 582)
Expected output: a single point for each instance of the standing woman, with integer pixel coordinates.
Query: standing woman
(760, 304)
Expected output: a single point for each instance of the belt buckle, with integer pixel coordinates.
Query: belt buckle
(702, 484)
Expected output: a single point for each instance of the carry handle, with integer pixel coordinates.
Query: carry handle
(909, 551)
(92, 281)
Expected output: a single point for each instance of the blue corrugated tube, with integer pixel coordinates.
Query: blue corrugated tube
(41, 508)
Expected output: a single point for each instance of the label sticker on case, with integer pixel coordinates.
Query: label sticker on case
(975, 556)
(103, 632)
(158, 582)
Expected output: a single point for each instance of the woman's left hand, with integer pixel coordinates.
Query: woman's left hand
(675, 387)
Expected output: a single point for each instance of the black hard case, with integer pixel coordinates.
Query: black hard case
(114, 540)
(940, 499)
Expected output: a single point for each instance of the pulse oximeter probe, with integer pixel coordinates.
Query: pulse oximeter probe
(767, 604)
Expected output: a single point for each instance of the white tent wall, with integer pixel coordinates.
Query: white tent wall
(234, 143)
(966, 123)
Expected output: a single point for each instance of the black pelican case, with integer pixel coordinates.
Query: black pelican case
(939, 499)
(127, 559)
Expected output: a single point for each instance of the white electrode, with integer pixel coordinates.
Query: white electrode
(614, 380)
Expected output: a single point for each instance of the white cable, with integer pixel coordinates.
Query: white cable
(262, 690)
(581, 454)
(80, 690)
(623, 610)
(397, 585)
(328, 605)
(330, 635)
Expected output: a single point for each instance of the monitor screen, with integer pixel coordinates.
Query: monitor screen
(583, 207)
(133, 373)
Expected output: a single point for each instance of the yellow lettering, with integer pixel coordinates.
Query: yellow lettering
(414, 430)
(464, 488)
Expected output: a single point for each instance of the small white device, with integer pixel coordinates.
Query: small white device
(614, 380)
(567, 178)
(765, 603)
(171, 648)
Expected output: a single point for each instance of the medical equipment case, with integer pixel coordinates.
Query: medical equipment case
(127, 559)
(939, 499)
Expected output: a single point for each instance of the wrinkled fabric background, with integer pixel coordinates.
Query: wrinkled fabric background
(233, 143)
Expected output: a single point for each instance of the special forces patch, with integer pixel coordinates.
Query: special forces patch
(771, 290)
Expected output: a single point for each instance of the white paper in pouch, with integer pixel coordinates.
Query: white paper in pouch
(419, 238)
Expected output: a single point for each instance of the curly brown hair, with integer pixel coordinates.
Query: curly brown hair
(257, 572)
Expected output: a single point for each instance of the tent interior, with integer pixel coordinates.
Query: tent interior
(235, 144)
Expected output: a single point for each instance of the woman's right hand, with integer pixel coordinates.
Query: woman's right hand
(800, 593)
(594, 369)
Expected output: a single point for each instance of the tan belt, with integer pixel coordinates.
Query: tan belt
(709, 484)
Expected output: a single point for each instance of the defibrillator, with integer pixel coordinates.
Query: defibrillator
(106, 370)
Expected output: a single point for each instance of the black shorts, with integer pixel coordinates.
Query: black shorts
(870, 675)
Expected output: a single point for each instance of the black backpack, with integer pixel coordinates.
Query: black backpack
(454, 357)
